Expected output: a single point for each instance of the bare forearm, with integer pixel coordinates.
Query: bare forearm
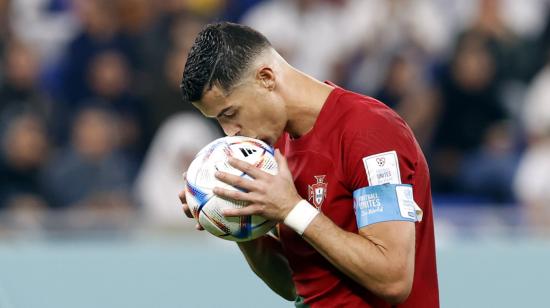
(365, 260)
(266, 259)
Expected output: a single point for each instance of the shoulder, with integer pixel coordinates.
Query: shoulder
(366, 116)
(368, 127)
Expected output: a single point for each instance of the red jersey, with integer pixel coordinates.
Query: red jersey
(328, 165)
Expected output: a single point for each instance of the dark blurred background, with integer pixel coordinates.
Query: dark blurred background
(91, 117)
(94, 136)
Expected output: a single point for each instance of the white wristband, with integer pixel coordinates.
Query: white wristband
(301, 216)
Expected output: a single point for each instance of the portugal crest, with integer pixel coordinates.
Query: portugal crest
(318, 191)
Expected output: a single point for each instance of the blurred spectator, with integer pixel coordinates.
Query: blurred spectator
(536, 115)
(20, 91)
(101, 31)
(470, 106)
(109, 81)
(90, 172)
(165, 98)
(488, 172)
(419, 27)
(525, 18)
(501, 41)
(172, 150)
(405, 89)
(25, 151)
(169, 33)
(45, 25)
(531, 183)
(183, 30)
(172, 44)
(235, 9)
(299, 30)
(4, 28)
(135, 16)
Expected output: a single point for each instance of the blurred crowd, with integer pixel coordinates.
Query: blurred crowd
(92, 126)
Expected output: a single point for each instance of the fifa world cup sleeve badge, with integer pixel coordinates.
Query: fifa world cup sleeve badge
(318, 191)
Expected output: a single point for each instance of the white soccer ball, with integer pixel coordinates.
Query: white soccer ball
(206, 207)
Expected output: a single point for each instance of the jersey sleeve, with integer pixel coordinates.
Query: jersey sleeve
(380, 155)
(379, 168)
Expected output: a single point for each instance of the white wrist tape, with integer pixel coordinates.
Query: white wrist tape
(301, 216)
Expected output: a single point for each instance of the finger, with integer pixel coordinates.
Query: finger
(245, 167)
(237, 181)
(232, 194)
(199, 227)
(187, 211)
(281, 162)
(252, 209)
(279, 157)
(181, 195)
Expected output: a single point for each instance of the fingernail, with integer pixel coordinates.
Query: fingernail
(217, 174)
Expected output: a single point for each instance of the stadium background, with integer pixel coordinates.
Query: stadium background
(94, 139)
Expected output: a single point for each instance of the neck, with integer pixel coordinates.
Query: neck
(305, 97)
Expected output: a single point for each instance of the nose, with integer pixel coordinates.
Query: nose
(231, 129)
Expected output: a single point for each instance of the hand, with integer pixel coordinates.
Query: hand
(270, 196)
(185, 207)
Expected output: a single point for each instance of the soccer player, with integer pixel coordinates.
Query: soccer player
(352, 196)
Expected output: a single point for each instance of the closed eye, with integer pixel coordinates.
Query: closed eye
(229, 113)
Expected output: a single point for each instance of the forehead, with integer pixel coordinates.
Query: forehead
(212, 102)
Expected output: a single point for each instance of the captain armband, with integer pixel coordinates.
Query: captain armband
(387, 202)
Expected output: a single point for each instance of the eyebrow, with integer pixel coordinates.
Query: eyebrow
(223, 111)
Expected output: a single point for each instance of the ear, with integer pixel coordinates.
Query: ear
(266, 77)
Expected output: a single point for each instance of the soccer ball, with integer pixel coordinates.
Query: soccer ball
(206, 207)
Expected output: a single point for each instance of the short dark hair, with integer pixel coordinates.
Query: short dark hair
(219, 56)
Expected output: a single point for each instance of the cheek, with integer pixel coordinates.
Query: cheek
(257, 117)
(274, 119)
(264, 117)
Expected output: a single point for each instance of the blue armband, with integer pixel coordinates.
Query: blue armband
(386, 202)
